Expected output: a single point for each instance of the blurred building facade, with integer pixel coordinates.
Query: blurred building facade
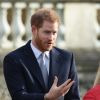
(79, 24)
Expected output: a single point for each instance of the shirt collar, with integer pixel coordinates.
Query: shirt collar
(37, 52)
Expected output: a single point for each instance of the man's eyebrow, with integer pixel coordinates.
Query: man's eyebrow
(47, 31)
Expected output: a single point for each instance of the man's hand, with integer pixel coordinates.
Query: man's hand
(56, 91)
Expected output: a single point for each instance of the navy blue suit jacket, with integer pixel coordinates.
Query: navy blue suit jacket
(24, 78)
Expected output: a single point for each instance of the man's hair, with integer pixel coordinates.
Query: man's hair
(42, 15)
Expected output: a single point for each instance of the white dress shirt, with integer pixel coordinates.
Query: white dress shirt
(37, 53)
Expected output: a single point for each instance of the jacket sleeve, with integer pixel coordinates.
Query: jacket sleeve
(15, 81)
(73, 93)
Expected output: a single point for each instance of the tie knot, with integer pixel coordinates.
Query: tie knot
(43, 54)
(42, 58)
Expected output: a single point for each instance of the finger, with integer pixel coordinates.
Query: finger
(67, 87)
(65, 92)
(65, 83)
(55, 81)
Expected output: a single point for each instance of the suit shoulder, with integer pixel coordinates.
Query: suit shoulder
(19, 51)
(63, 52)
(15, 53)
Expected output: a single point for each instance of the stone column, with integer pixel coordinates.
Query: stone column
(32, 7)
(61, 33)
(5, 28)
(18, 28)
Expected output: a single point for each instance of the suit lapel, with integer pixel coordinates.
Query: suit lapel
(33, 65)
(55, 65)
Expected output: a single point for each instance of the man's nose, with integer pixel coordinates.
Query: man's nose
(51, 36)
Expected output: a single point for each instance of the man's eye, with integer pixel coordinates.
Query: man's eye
(47, 32)
(54, 32)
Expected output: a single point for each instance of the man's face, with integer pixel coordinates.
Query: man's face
(45, 37)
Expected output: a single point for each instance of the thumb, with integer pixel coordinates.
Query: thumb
(55, 81)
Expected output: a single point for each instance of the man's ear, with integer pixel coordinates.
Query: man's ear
(34, 29)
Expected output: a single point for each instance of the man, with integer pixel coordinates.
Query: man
(30, 75)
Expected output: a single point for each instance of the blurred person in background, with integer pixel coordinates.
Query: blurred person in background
(94, 92)
(57, 79)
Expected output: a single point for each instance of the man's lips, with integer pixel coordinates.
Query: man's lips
(50, 43)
